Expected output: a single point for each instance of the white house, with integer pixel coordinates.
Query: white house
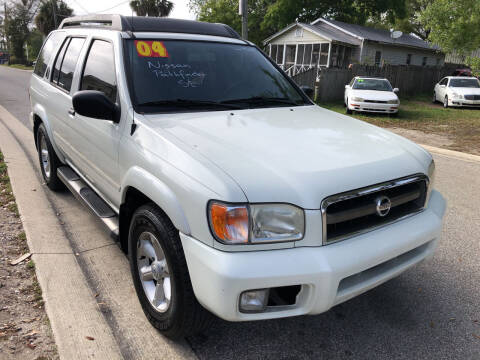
(331, 43)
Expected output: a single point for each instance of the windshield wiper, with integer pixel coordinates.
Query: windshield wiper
(187, 103)
(261, 100)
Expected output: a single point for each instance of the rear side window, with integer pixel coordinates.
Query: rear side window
(58, 61)
(99, 72)
(67, 63)
(47, 52)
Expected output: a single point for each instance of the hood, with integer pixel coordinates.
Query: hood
(374, 95)
(465, 91)
(296, 155)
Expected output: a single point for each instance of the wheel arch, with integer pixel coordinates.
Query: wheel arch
(141, 187)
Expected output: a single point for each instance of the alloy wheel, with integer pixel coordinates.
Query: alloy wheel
(45, 156)
(154, 272)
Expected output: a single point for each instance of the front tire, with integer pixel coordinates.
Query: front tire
(160, 275)
(445, 102)
(349, 112)
(48, 159)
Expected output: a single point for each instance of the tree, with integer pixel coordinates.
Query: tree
(152, 7)
(17, 28)
(51, 14)
(226, 12)
(412, 23)
(34, 42)
(454, 25)
(268, 16)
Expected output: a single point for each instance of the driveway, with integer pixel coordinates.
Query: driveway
(430, 312)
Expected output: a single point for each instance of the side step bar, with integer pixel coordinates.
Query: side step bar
(89, 198)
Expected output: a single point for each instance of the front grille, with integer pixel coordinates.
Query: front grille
(355, 212)
(376, 101)
(472, 97)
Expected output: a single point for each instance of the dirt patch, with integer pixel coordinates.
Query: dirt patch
(25, 331)
(421, 137)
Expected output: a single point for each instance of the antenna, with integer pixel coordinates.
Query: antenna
(396, 34)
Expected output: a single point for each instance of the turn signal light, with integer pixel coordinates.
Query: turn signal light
(229, 223)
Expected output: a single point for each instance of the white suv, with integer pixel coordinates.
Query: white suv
(232, 192)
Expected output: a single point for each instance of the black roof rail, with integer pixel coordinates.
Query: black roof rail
(148, 24)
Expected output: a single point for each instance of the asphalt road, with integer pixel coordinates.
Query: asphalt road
(430, 312)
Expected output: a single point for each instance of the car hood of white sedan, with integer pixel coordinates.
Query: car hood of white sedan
(465, 91)
(374, 95)
(297, 155)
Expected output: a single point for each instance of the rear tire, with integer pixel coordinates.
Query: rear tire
(434, 99)
(48, 159)
(175, 311)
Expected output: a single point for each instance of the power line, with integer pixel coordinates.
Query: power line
(113, 7)
(81, 6)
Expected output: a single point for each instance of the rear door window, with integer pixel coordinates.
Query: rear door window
(99, 72)
(69, 63)
(47, 52)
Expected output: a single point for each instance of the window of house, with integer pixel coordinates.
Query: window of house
(273, 52)
(315, 53)
(424, 61)
(99, 72)
(324, 54)
(290, 54)
(307, 59)
(300, 52)
(47, 52)
(298, 32)
(438, 61)
(378, 58)
(409, 59)
(280, 54)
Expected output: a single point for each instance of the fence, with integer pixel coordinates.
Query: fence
(330, 83)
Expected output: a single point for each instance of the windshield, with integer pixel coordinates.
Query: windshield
(193, 75)
(464, 83)
(372, 84)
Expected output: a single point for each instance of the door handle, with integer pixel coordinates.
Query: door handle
(71, 112)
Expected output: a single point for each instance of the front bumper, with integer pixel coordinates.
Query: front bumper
(463, 102)
(328, 275)
(374, 107)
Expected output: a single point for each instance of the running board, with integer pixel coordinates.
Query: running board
(89, 198)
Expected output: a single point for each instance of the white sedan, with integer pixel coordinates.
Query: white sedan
(457, 91)
(371, 95)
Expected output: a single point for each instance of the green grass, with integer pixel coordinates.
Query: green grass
(19, 66)
(460, 125)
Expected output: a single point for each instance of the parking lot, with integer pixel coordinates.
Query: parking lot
(430, 312)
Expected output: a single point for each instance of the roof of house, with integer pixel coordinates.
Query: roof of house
(338, 31)
(323, 32)
(372, 34)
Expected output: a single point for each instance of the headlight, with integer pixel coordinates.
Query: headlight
(457, 96)
(255, 223)
(357, 99)
(393, 101)
(431, 180)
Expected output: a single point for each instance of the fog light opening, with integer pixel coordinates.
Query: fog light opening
(254, 300)
(285, 295)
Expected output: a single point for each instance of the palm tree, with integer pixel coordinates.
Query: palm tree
(151, 7)
(51, 14)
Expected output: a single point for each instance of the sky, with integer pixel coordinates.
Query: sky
(83, 7)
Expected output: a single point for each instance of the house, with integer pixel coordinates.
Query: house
(331, 43)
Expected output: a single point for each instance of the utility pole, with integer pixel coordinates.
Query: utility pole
(243, 11)
(54, 12)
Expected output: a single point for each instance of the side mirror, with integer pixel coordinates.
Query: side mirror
(307, 90)
(396, 90)
(95, 104)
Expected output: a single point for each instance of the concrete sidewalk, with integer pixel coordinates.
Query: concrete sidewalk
(84, 276)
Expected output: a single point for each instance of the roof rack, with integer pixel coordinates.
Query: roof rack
(148, 24)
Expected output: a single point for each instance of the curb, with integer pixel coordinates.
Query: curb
(451, 153)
